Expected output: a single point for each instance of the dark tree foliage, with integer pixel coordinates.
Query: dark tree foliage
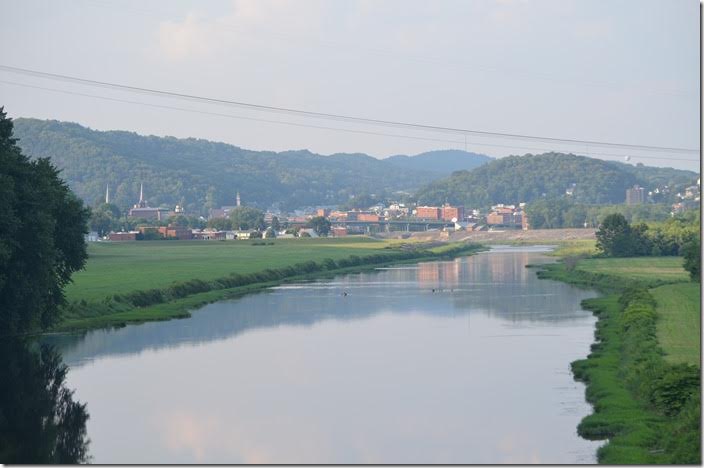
(693, 258)
(220, 224)
(320, 225)
(516, 179)
(105, 218)
(617, 238)
(245, 217)
(40, 423)
(42, 230)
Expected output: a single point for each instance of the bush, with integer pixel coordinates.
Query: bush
(693, 258)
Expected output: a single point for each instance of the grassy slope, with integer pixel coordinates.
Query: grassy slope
(679, 321)
(120, 267)
(631, 426)
(646, 269)
(138, 267)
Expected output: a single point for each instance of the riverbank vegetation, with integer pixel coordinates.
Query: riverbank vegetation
(170, 288)
(643, 383)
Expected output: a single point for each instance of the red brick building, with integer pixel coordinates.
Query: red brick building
(449, 212)
(368, 217)
(428, 212)
(175, 232)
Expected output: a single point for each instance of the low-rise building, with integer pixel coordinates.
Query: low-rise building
(175, 232)
(450, 212)
(428, 212)
(338, 231)
(123, 236)
(209, 235)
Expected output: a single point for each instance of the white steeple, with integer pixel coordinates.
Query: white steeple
(238, 198)
(107, 194)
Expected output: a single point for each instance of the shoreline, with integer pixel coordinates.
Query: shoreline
(171, 302)
(626, 376)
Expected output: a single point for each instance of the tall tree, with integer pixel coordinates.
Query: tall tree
(42, 230)
(245, 217)
(320, 225)
(614, 236)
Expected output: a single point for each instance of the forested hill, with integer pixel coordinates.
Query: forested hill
(442, 162)
(201, 174)
(525, 178)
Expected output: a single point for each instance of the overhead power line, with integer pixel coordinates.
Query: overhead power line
(319, 127)
(339, 117)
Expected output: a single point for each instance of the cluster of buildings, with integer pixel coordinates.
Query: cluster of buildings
(423, 217)
(689, 200)
(396, 216)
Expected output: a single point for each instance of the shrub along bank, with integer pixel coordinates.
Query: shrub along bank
(647, 408)
(175, 300)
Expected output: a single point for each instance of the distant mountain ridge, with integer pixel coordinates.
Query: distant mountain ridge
(201, 174)
(441, 161)
(516, 179)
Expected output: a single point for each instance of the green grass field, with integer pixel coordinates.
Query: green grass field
(575, 248)
(648, 269)
(121, 267)
(679, 321)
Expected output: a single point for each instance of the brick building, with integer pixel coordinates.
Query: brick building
(428, 212)
(452, 212)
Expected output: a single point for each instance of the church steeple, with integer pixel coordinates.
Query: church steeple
(142, 202)
(238, 198)
(107, 194)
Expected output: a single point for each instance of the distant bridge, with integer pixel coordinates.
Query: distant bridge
(393, 225)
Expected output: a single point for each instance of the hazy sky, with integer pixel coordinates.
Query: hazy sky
(622, 71)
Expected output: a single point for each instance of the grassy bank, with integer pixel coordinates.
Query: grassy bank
(251, 269)
(679, 321)
(644, 393)
(123, 267)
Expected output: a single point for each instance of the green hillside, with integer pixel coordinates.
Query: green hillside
(200, 174)
(526, 178)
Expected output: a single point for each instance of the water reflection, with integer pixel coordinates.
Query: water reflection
(495, 283)
(40, 422)
(446, 362)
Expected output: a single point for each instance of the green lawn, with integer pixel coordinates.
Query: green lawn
(649, 269)
(679, 321)
(575, 247)
(120, 267)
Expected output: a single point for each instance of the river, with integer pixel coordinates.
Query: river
(463, 361)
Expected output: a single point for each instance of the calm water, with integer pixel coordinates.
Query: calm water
(475, 372)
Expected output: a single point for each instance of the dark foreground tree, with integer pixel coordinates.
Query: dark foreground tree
(40, 423)
(42, 228)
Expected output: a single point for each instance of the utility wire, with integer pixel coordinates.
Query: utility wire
(290, 38)
(320, 127)
(340, 117)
